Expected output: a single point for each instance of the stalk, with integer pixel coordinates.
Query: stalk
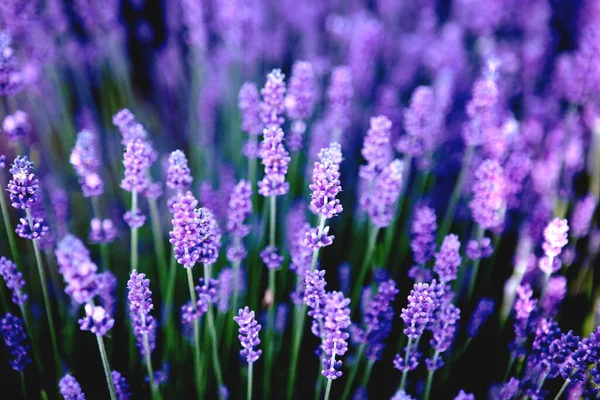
(197, 366)
(159, 245)
(213, 334)
(42, 274)
(103, 248)
(366, 261)
(107, 373)
(478, 237)
(149, 363)
(23, 385)
(9, 229)
(562, 389)
(272, 287)
(169, 301)
(134, 233)
(405, 372)
(352, 375)
(249, 389)
(430, 377)
(328, 389)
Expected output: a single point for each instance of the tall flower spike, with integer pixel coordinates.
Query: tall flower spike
(488, 203)
(248, 336)
(420, 123)
(423, 230)
(24, 187)
(582, 216)
(14, 280)
(448, 259)
(138, 157)
(379, 317)
(77, 269)
(335, 326)
(140, 305)
(380, 202)
(85, 160)
(555, 238)
(300, 101)
(69, 388)
(179, 177)
(482, 312)
(273, 94)
(276, 159)
(249, 105)
(376, 150)
(121, 386)
(422, 302)
(210, 242)
(15, 338)
(326, 182)
(339, 95)
(96, 320)
(186, 234)
(443, 330)
(240, 208)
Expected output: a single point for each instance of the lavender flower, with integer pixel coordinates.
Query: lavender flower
(14, 280)
(240, 208)
(401, 395)
(556, 289)
(422, 302)
(582, 216)
(11, 77)
(85, 160)
(423, 230)
(376, 148)
(482, 312)
(106, 286)
(420, 123)
(448, 259)
(300, 101)
(121, 386)
(480, 109)
(476, 250)
(227, 282)
(555, 237)
(339, 95)
(273, 95)
(443, 330)
(248, 336)
(314, 239)
(276, 159)
(69, 388)
(271, 257)
(16, 126)
(15, 338)
(102, 231)
(249, 105)
(378, 318)
(24, 187)
(77, 269)
(314, 293)
(138, 157)
(326, 182)
(524, 308)
(464, 396)
(488, 201)
(129, 126)
(380, 202)
(140, 305)
(335, 325)
(96, 320)
(509, 390)
(34, 231)
(179, 177)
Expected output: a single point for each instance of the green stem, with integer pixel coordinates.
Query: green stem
(134, 233)
(169, 302)
(328, 389)
(159, 245)
(107, 373)
(8, 226)
(562, 389)
(430, 377)
(478, 237)
(213, 333)
(249, 389)
(197, 366)
(272, 221)
(23, 385)
(405, 372)
(352, 375)
(451, 209)
(297, 338)
(367, 260)
(42, 274)
(103, 247)
(149, 364)
(271, 288)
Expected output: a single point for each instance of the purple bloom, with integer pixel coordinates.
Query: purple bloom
(302, 94)
(179, 177)
(339, 96)
(480, 110)
(121, 386)
(85, 160)
(378, 318)
(335, 325)
(138, 157)
(24, 187)
(226, 284)
(135, 219)
(524, 308)
(276, 159)
(464, 396)
(380, 202)
(326, 182)
(509, 390)
(448, 259)
(423, 230)
(69, 388)
(477, 250)
(555, 237)
(102, 231)
(443, 330)
(96, 320)
(315, 239)
(420, 123)
(17, 125)
(556, 290)
(140, 305)
(482, 312)
(582, 216)
(15, 338)
(422, 302)
(248, 336)
(314, 293)
(488, 201)
(240, 208)
(14, 280)
(401, 395)
(273, 94)
(413, 360)
(376, 150)
(11, 77)
(77, 269)
(271, 257)
(106, 286)
(129, 126)
(36, 230)
(249, 105)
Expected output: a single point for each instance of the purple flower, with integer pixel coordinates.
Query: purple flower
(85, 160)
(121, 386)
(423, 230)
(401, 364)
(249, 105)
(302, 94)
(240, 208)
(314, 293)
(524, 308)
(488, 203)
(477, 250)
(271, 257)
(401, 395)
(15, 338)
(106, 286)
(77, 269)
(276, 159)
(378, 318)
(11, 77)
(35, 231)
(422, 302)
(482, 312)
(14, 280)
(129, 126)
(582, 216)
(315, 239)
(326, 182)
(16, 126)
(376, 150)
(339, 95)
(448, 259)
(179, 177)
(380, 202)
(227, 282)
(335, 336)
(140, 305)
(96, 320)
(273, 94)
(248, 336)
(69, 388)
(509, 390)
(556, 290)
(138, 157)
(24, 187)
(480, 110)
(555, 237)
(421, 123)
(102, 231)
(443, 330)
(464, 396)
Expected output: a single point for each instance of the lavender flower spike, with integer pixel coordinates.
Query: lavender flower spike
(121, 386)
(273, 95)
(24, 187)
(423, 230)
(335, 325)
(488, 201)
(13, 332)
(179, 177)
(140, 305)
(448, 259)
(248, 336)
(249, 105)
(240, 208)
(300, 101)
(69, 388)
(14, 280)
(376, 150)
(96, 320)
(555, 238)
(326, 183)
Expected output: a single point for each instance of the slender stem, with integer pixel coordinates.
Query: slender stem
(430, 377)
(9, 229)
(107, 373)
(405, 372)
(475, 270)
(328, 389)
(367, 374)
(134, 233)
(297, 338)
(509, 367)
(169, 301)
(451, 209)
(352, 375)
(42, 274)
(148, 360)
(103, 248)
(249, 389)
(272, 287)
(197, 366)
(159, 245)
(273, 201)
(562, 389)
(367, 260)
(23, 385)
(213, 333)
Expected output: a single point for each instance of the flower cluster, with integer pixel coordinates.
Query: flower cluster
(24, 186)
(276, 159)
(16, 125)
(423, 230)
(239, 209)
(102, 231)
(77, 268)
(248, 336)
(14, 280)
(379, 202)
(69, 388)
(488, 203)
(140, 305)
(96, 320)
(300, 101)
(86, 162)
(376, 150)
(378, 318)
(15, 338)
(448, 259)
(336, 320)
(325, 184)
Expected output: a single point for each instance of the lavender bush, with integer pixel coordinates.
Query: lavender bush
(230, 199)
